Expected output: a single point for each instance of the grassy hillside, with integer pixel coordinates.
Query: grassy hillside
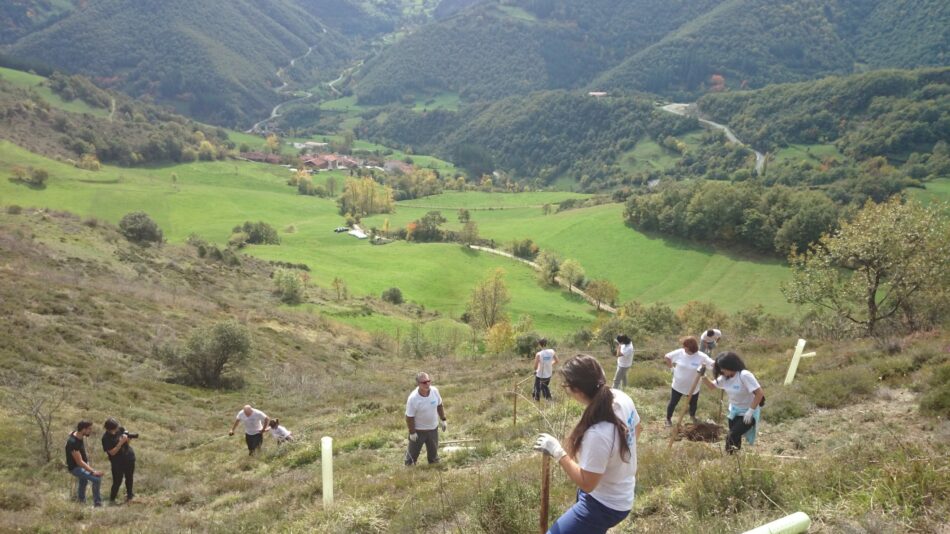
(846, 444)
(214, 61)
(644, 268)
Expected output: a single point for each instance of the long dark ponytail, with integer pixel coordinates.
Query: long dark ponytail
(584, 374)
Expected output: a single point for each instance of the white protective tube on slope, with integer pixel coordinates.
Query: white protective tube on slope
(790, 524)
(326, 444)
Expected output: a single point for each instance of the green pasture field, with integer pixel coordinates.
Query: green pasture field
(935, 191)
(814, 153)
(643, 267)
(348, 104)
(517, 13)
(647, 156)
(38, 84)
(210, 198)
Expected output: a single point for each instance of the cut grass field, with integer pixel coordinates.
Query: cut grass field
(813, 153)
(643, 267)
(209, 199)
(39, 85)
(934, 191)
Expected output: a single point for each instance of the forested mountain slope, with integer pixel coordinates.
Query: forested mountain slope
(884, 113)
(679, 49)
(19, 17)
(495, 50)
(214, 60)
(757, 42)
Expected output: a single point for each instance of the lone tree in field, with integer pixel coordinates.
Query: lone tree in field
(27, 397)
(549, 266)
(138, 227)
(572, 273)
(602, 291)
(877, 266)
(487, 305)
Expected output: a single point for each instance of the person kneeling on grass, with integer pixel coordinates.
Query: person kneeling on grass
(601, 456)
(684, 362)
(280, 433)
(746, 398)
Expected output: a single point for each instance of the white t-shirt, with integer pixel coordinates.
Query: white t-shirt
(280, 432)
(254, 423)
(739, 388)
(424, 409)
(626, 355)
(546, 369)
(684, 369)
(715, 337)
(600, 453)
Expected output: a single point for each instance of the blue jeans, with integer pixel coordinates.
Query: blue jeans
(84, 478)
(587, 516)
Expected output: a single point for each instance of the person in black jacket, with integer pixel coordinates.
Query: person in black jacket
(115, 442)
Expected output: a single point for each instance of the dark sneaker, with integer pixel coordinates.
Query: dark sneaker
(669, 423)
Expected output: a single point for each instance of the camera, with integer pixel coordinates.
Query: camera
(131, 435)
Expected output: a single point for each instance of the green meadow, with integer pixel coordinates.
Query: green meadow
(934, 191)
(210, 198)
(814, 153)
(39, 86)
(644, 268)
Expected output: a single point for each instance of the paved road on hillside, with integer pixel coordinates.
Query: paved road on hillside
(689, 110)
(282, 91)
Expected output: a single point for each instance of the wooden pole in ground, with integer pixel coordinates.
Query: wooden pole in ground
(545, 491)
(676, 427)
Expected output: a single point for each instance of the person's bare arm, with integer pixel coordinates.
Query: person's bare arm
(637, 430)
(585, 480)
(81, 463)
(759, 395)
(441, 411)
(231, 432)
(411, 423)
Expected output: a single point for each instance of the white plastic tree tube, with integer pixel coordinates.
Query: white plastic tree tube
(326, 445)
(790, 524)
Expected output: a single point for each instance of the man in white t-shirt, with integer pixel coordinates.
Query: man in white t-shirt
(709, 340)
(255, 421)
(544, 362)
(424, 416)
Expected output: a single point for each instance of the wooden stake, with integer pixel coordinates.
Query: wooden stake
(679, 419)
(545, 491)
(514, 418)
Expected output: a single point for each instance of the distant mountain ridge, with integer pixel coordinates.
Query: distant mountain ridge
(680, 49)
(213, 60)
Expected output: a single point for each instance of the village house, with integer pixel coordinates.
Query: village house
(261, 157)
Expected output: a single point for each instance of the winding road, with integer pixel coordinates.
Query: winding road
(282, 90)
(690, 110)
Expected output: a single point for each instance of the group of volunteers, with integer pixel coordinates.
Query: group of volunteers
(599, 455)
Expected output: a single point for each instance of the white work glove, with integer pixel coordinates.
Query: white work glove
(747, 418)
(548, 444)
(444, 425)
(413, 437)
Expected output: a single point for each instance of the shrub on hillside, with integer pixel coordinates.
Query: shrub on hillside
(936, 401)
(500, 338)
(502, 507)
(30, 176)
(211, 356)
(526, 344)
(393, 295)
(785, 404)
(290, 285)
(14, 210)
(138, 227)
(834, 388)
(259, 233)
(649, 376)
(698, 316)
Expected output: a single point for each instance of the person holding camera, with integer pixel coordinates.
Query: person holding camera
(115, 442)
